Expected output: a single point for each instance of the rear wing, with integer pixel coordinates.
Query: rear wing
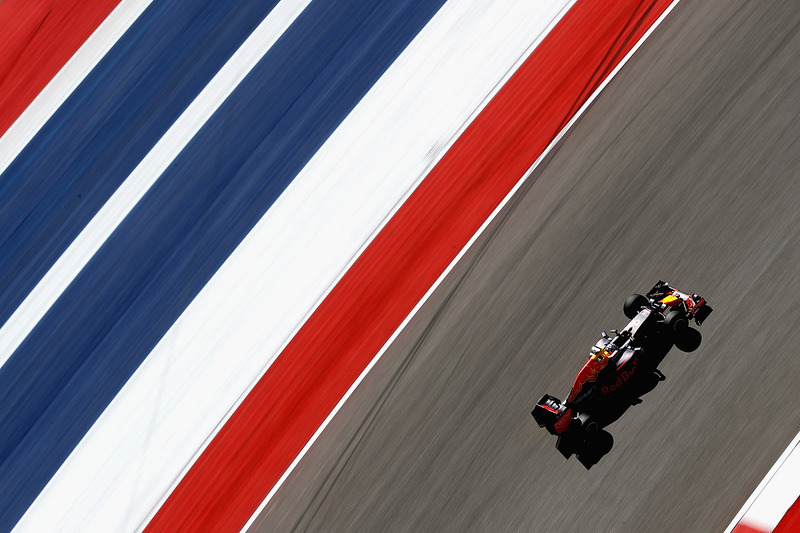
(551, 414)
(696, 306)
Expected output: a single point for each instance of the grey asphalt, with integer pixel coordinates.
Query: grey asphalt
(686, 168)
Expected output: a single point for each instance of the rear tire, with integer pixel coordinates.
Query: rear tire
(676, 323)
(689, 340)
(633, 304)
(604, 442)
(598, 444)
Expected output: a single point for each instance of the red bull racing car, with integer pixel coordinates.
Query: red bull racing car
(622, 367)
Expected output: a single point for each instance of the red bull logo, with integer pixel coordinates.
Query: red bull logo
(622, 377)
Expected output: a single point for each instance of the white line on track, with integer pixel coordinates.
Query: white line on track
(20, 133)
(775, 494)
(452, 265)
(103, 224)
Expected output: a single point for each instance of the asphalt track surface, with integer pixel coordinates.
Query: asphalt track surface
(686, 168)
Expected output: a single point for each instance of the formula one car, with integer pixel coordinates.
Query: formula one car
(622, 367)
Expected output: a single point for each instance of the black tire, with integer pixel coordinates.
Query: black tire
(676, 323)
(689, 340)
(633, 304)
(594, 448)
(604, 442)
(597, 443)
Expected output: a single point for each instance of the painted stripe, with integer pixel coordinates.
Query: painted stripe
(58, 89)
(245, 314)
(83, 154)
(95, 336)
(319, 365)
(38, 38)
(774, 497)
(124, 199)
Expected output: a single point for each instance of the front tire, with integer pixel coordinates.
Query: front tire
(633, 305)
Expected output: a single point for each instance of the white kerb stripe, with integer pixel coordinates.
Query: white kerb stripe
(103, 224)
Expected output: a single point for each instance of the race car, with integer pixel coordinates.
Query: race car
(622, 367)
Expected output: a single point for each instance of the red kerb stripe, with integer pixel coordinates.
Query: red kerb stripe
(37, 37)
(790, 523)
(259, 442)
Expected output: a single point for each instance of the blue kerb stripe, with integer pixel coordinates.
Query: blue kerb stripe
(79, 356)
(105, 128)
